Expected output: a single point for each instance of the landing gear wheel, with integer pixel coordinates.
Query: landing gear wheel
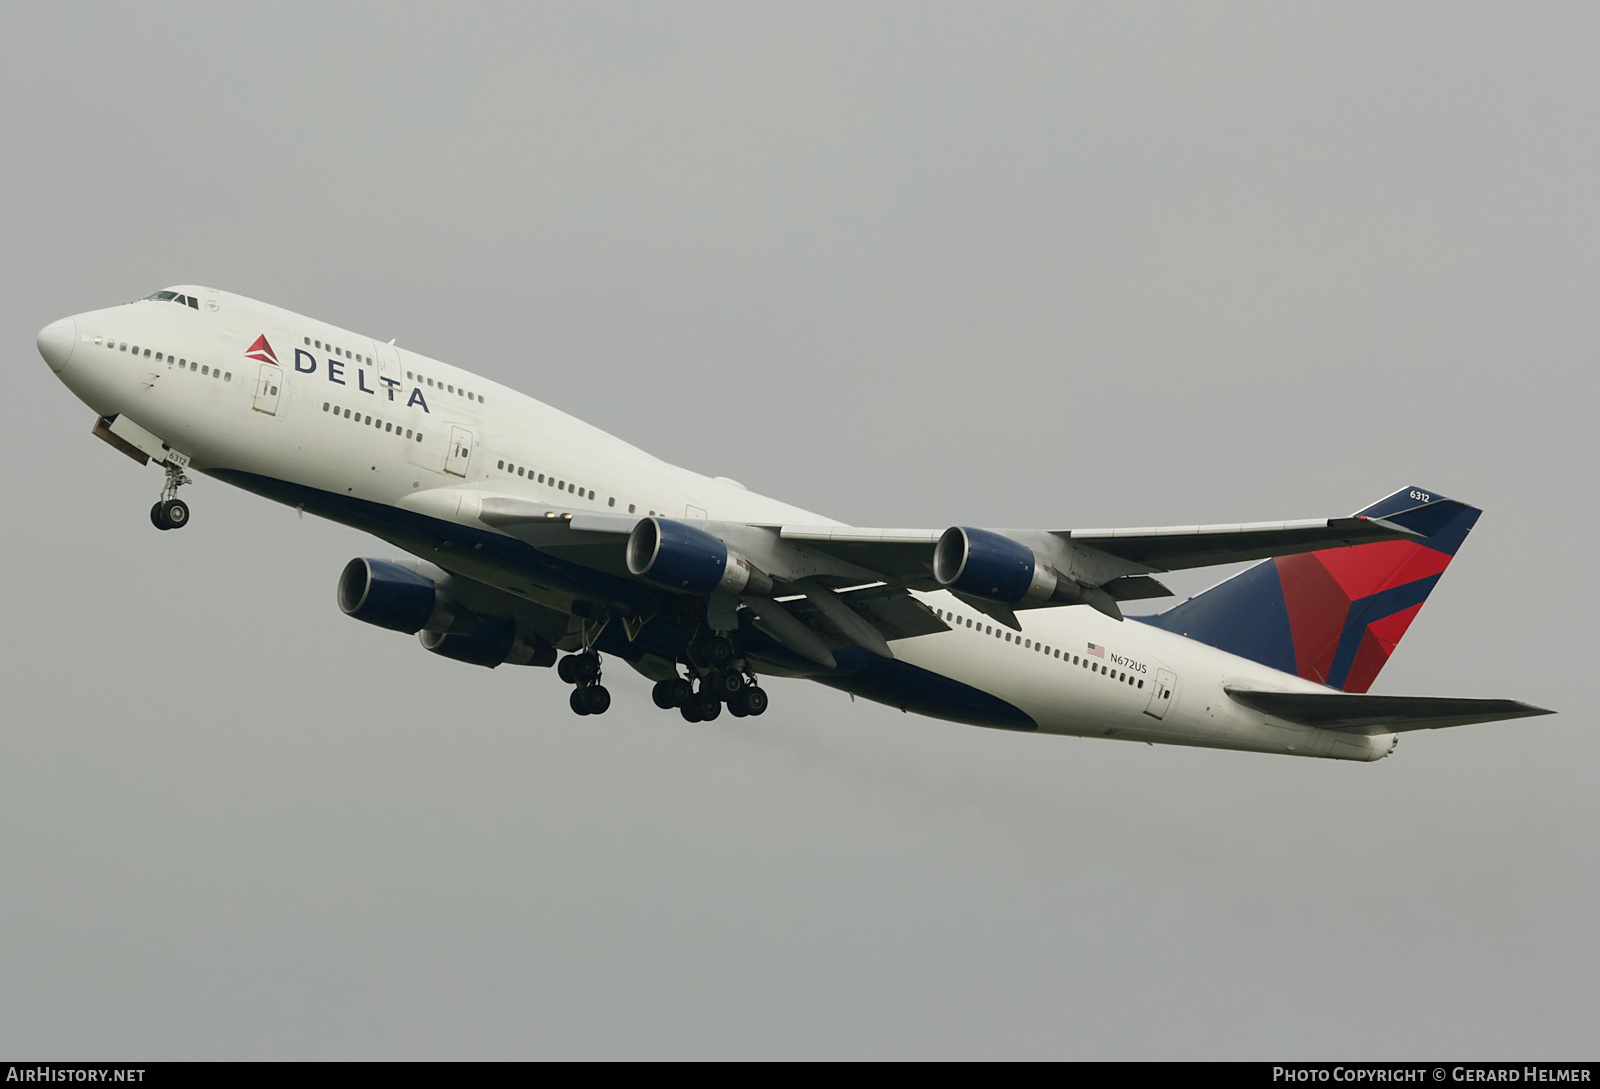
(579, 702)
(752, 701)
(595, 698)
(719, 652)
(714, 652)
(170, 514)
(674, 692)
(705, 707)
(689, 713)
(579, 668)
(725, 684)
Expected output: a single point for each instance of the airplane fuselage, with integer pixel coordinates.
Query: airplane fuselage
(410, 448)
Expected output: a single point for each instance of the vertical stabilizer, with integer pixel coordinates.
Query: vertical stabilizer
(1336, 615)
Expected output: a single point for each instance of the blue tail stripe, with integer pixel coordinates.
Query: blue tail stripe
(1364, 611)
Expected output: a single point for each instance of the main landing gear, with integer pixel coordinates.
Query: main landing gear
(716, 678)
(170, 512)
(582, 671)
(721, 681)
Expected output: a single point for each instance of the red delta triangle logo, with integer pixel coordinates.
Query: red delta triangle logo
(263, 351)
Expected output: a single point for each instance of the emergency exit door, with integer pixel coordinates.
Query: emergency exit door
(460, 452)
(1161, 693)
(267, 389)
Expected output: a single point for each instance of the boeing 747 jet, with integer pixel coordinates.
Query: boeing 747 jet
(528, 537)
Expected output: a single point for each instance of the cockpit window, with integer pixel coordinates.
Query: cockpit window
(172, 296)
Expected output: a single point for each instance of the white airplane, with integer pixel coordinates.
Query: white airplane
(531, 533)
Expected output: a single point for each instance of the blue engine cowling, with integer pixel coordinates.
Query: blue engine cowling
(989, 565)
(493, 641)
(388, 595)
(679, 557)
(487, 644)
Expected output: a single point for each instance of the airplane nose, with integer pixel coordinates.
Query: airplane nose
(56, 342)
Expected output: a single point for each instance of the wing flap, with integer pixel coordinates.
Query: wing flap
(895, 612)
(1136, 588)
(901, 555)
(1358, 714)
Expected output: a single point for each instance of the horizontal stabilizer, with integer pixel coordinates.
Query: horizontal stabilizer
(1361, 714)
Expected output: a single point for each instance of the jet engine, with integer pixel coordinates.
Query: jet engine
(986, 564)
(679, 557)
(493, 642)
(983, 564)
(394, 597)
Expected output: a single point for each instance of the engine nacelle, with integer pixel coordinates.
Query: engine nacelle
(493, 642)
(394, 597)
(991, 566)
(689, 560)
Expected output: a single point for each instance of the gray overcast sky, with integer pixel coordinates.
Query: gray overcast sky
(997, 264)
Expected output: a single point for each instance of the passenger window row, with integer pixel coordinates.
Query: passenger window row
(558, 485)
(526, 473)
(204, 369)
(342, 353)
(389, 426)
(999, 632)
(457, 390)
(345, 353)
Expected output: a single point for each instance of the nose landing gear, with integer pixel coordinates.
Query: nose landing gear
(170, 512)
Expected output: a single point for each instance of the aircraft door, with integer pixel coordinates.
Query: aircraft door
(388, 358)
(1161, 693)
(460, 452)
(267, 384)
